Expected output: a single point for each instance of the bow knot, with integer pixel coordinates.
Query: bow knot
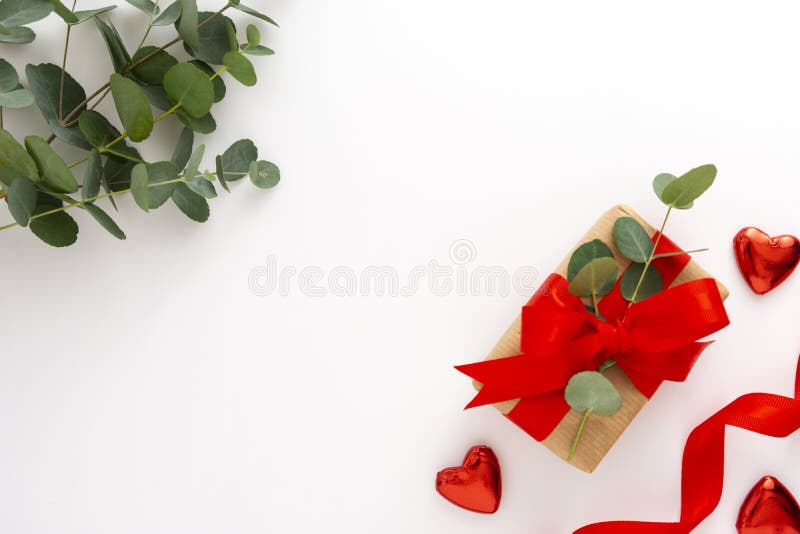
(614, 336)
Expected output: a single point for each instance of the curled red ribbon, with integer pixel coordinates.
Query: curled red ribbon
(704, 458)
(652, 341)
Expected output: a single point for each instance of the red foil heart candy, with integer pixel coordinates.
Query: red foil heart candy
(769, 509)
(765, 261)
(475, 485)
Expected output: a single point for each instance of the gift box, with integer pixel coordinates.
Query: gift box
(693, 297)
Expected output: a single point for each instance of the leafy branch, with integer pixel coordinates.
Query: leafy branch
(37, 183)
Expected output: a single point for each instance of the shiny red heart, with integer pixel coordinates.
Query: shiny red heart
(769, 509)
(476, 484)
(765, 261)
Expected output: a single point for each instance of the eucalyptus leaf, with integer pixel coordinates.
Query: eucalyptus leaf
(85, 15)
(219, 84)
(104, 220)
(237, 158)
(146, 6)
(190, 203)
(9, 79)
(258, 50)
(266, 175)
(17, 99)
(15, 162)
(17, 35)
(202, 125)
(45, 82)
(632, 240)
(152, 70)
(21, 12)
(191, 88)
(240, 68)
(591, 390)
(652, 283)
(183, 149)
(253, 35)
(661, 182)
(595, 275)
(145, 178)
(193, 164)
(169, 15)
(252, 12)
(100, 133)
(92, 176)
(187, 24)
(64, 12)
(221, 174)
(586, 253)
(690, 186)
(116, 49)
(156, 95)
(214, 42)
(56, 229)
(201, 186)
(21, 198)
(51, 167)
(133, 108)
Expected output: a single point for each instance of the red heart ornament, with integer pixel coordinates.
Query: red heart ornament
(476, 484)
(765, 261)
(769, 509)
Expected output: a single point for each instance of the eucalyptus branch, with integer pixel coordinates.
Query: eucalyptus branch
(64, 68)
(149, 24)
(71, 118)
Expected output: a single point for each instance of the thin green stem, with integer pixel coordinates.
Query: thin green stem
(79, 203)
(679, 253)
(64, 68)
(70, 119)
(594, 303)
(149, 24)
(650, 259)
(578, 435)
(1, 118)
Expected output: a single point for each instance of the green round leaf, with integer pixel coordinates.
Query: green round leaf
(187, 24)
(17, 35)
(191, 88)
(253, 35)
(152, 70)
(632, 240)
(202, 125)
(183, 150)
(51, 167)
(190, 203)
(237, 159)
(15, 162)
(145, 180)
(690, 186)
(214, 41)
(219, 84)
(21, 12)
(202, 186)
(169, 15)
(661, 182)
(591, 390)
(240, 68)
(45, 82)
(105, 220)
(20, 98)
(595, 275)
(133, 108)
(586, 253)
(22, 197)
(56, 229)
(100, 133)
(258, 51)
(9, 79)
(265, 175)
(652, 284)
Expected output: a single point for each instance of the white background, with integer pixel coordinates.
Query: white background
(144, 388)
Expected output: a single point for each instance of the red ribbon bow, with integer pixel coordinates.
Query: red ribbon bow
(652, 341)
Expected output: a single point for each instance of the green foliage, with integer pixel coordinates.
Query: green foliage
(683, 191)
(632, 240)
(250, 11)
(133, 108)
(36, 180)
(591, 390)
(637, 284)
(593, 276)
(586, 253)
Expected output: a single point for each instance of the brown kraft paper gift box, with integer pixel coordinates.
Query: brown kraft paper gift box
(600, 433)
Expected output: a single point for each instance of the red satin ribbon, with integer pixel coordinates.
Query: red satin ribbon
(704, 458)
(652, 341)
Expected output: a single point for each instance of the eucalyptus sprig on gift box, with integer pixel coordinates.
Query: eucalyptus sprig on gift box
(40, 186)
(592, 274)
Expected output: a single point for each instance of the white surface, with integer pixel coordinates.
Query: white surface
(144, 388)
